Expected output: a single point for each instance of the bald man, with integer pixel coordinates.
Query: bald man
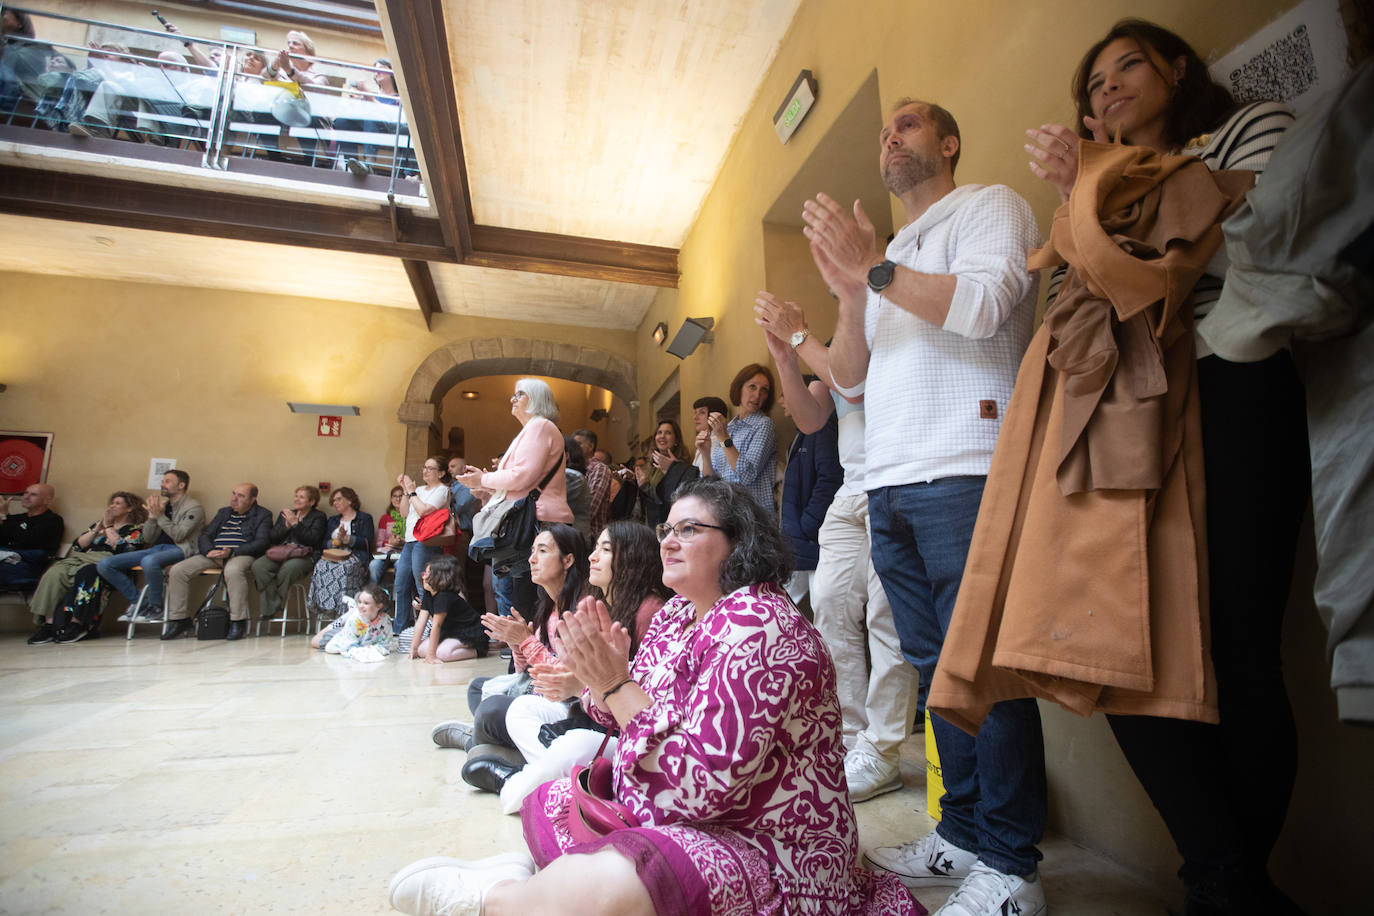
(29, 540)
(232, 540)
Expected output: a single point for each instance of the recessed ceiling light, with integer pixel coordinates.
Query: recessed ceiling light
(470, 395)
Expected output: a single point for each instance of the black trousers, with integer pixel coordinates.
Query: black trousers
(1223, 790)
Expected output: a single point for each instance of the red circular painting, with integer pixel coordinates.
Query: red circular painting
(21, 464)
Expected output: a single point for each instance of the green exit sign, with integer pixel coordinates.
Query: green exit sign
(796, 106)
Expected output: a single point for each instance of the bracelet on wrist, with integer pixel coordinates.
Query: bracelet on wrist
(607, 694)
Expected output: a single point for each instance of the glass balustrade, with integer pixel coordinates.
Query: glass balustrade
(146, 94)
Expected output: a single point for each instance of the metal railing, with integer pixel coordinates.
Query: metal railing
(220, 98)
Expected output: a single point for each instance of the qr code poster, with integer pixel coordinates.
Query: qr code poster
(156, 468)
(1294, 59)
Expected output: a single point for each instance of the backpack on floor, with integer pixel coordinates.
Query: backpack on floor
(212, 620)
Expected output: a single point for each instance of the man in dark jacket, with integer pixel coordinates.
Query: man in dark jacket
(234, 537)
(28, 541)
(813, 475)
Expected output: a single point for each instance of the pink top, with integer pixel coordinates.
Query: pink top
(530, 455)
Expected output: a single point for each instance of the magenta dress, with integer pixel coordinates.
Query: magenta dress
(736, 771)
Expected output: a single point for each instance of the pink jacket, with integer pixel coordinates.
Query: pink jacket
(527, 459)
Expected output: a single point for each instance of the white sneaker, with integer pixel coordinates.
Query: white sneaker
(441, 886)
(988, 892)
(870, 776)
(931, 861)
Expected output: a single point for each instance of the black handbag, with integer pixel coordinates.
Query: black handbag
(212, 620)
(512, 536)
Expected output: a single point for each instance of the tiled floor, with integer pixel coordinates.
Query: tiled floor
(260, 777)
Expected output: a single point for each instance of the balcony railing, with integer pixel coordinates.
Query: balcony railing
(218, 99)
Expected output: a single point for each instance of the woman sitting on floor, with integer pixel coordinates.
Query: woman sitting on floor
(730, 753)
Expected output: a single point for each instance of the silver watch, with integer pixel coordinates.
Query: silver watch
(799, 337)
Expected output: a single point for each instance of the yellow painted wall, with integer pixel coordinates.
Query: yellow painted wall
(124, 372)
(999, 65)
(1002, 66)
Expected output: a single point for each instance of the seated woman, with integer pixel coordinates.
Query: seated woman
(558, 566)
(342, 567)
(744, 450)
(295, 543)
(730, 752)
(669, 468)
(391, 529)
(68, 596)
(625, 572)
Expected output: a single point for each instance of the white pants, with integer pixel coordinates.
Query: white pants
(852, 615)
(525, 716)
(572, 748)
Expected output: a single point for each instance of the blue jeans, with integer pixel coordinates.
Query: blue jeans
(994, 802)
(515, 590)
(409, 567)
(115, 570)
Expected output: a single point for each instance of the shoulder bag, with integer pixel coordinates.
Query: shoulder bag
(595, 811)
(504, 530)
(280, 553)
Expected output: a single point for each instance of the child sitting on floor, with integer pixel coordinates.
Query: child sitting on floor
(447, 629)
(363, 633)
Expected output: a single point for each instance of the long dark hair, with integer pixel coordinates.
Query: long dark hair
(679, 450)
(1198, 104)
(636, 573)
(568, 540)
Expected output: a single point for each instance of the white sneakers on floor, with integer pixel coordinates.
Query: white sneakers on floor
(988, 892)
(440, 886)
(869, 776)
(930, 861)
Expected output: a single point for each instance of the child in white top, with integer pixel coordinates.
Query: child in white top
(364, 632)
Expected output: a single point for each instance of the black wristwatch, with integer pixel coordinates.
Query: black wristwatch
(728, 443)
(880, 276)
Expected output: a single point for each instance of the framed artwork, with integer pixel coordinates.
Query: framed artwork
(24, 458)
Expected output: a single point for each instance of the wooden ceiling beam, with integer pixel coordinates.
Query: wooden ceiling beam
(573, 256)
(421, 61)
(422, 284)
(161, 208)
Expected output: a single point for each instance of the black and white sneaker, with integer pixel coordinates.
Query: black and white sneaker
(72, 632)
(45, 634)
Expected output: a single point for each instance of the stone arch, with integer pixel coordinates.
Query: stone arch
(476, 356)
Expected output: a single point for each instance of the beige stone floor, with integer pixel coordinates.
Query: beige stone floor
(260, 777)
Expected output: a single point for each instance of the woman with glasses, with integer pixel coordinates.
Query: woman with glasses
(342, 568)
(417, 502)
(730, 753)
(535, 451)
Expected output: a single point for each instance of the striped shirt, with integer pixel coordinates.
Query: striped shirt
(231, 534)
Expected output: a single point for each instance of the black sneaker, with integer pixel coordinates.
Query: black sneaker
(43, 635)
(72, 632)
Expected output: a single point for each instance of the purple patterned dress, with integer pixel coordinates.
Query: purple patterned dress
(736, 771)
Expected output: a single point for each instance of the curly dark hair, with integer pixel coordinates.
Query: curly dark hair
(444, 574)
(568, 540)
(137, 513)
(758, 550)
(744, 375)
(1198, 103)
(636, 573)
(378, 595)
(351, 495)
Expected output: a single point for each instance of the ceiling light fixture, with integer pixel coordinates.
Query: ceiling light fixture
(469, 395)
(660, 333)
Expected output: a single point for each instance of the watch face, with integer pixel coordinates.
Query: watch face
(880, 276)
(797, 339)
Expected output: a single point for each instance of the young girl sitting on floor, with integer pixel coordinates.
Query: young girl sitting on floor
(448, 628)
(364, 632)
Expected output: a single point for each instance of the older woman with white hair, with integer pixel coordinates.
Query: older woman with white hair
(534, 454)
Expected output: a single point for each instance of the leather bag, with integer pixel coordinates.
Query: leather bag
(336, 554)
(212, 620)
(504, 529)
(280, 553)
(595, 811)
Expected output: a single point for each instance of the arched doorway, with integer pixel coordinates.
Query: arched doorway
(477, 356)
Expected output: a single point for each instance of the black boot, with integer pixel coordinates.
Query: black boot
(177, 628)
(490, 765)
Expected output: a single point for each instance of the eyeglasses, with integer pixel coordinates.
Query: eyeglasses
(518, 395)
(685, 531)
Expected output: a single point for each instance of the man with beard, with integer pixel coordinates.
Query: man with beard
(932, 334)
(174, 522)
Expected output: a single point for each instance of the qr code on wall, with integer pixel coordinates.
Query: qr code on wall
(1280, 73)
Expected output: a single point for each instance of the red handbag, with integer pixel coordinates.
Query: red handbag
(431, 525)
(595, 811)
